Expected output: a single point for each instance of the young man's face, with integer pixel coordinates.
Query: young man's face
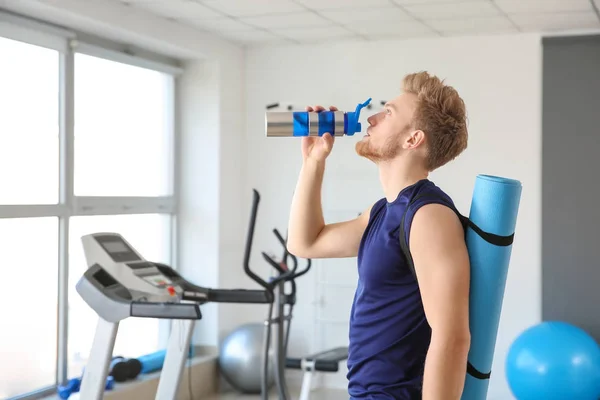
(388, 129)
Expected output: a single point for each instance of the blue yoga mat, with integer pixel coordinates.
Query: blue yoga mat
(494, 209)
(154, 361)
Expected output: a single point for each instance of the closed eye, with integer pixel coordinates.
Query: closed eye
(388, 108)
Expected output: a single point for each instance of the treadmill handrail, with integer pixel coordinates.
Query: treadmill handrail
(240, 296)
(201, 295)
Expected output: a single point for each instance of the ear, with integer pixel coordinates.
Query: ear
(414, 139)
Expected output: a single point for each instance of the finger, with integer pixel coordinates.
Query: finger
(309, 109)
(328, 140)
(333, 108)
(319, 108)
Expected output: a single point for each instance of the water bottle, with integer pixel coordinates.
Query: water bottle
(304, 123)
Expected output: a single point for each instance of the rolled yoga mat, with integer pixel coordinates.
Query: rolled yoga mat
(154, 361)
(494, 209)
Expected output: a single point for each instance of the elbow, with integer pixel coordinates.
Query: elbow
(292, 247)
(457, 342)
(292, 244)
(464, 344)
(297, 249)
(303, 245)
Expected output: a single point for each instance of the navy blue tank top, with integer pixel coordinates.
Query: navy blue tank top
(389, 334)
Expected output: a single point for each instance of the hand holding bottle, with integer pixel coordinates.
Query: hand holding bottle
(317, 148)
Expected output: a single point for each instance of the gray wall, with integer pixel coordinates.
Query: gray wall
(571, 181)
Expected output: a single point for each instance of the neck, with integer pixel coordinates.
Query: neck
(398, 174)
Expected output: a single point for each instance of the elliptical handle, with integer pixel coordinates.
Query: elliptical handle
(283, 275)
(280, 238)
(286, 253)
(274, 264)
(305, 270)
(294, 258)
(249, 239)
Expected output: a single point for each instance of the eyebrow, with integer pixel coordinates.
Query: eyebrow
(391, 106)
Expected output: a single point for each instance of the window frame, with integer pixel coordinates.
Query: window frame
(69, 42)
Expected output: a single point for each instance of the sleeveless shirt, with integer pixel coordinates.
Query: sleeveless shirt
(389, 333)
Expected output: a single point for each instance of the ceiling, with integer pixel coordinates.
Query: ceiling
(259, 22)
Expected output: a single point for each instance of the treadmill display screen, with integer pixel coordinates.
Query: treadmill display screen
(117, 249)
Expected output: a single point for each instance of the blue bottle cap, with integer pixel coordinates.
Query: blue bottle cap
(352, 124)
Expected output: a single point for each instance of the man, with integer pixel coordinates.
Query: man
(409, 331)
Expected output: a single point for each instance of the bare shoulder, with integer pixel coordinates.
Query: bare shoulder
(436, 219)
(437, 238)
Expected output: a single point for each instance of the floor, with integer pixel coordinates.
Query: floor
(316, 394)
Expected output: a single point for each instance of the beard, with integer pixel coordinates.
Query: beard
(390, 149)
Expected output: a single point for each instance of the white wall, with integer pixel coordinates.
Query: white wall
(210, 240)
(500, 81)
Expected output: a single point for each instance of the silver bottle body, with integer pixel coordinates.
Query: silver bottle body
(281, 124)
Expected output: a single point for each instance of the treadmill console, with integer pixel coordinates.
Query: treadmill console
(112, 253)
(150, 273)
(120, 283)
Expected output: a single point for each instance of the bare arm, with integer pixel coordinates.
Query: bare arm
(443, 271)
(308, 235)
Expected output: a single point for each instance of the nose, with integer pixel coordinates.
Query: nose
(372, 120)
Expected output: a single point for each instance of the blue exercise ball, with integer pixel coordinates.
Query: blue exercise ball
(554, 361)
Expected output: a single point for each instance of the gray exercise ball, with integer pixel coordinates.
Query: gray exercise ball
(241, 358)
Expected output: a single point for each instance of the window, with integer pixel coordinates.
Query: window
(86, 145)
(122, 129)
(29, 128)
(29, 302)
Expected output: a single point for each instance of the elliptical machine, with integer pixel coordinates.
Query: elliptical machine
(275, 287)
(324, 361)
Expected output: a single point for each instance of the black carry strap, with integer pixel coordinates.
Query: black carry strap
(494, 239)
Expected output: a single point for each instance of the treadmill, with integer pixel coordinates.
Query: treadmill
(119, 283)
